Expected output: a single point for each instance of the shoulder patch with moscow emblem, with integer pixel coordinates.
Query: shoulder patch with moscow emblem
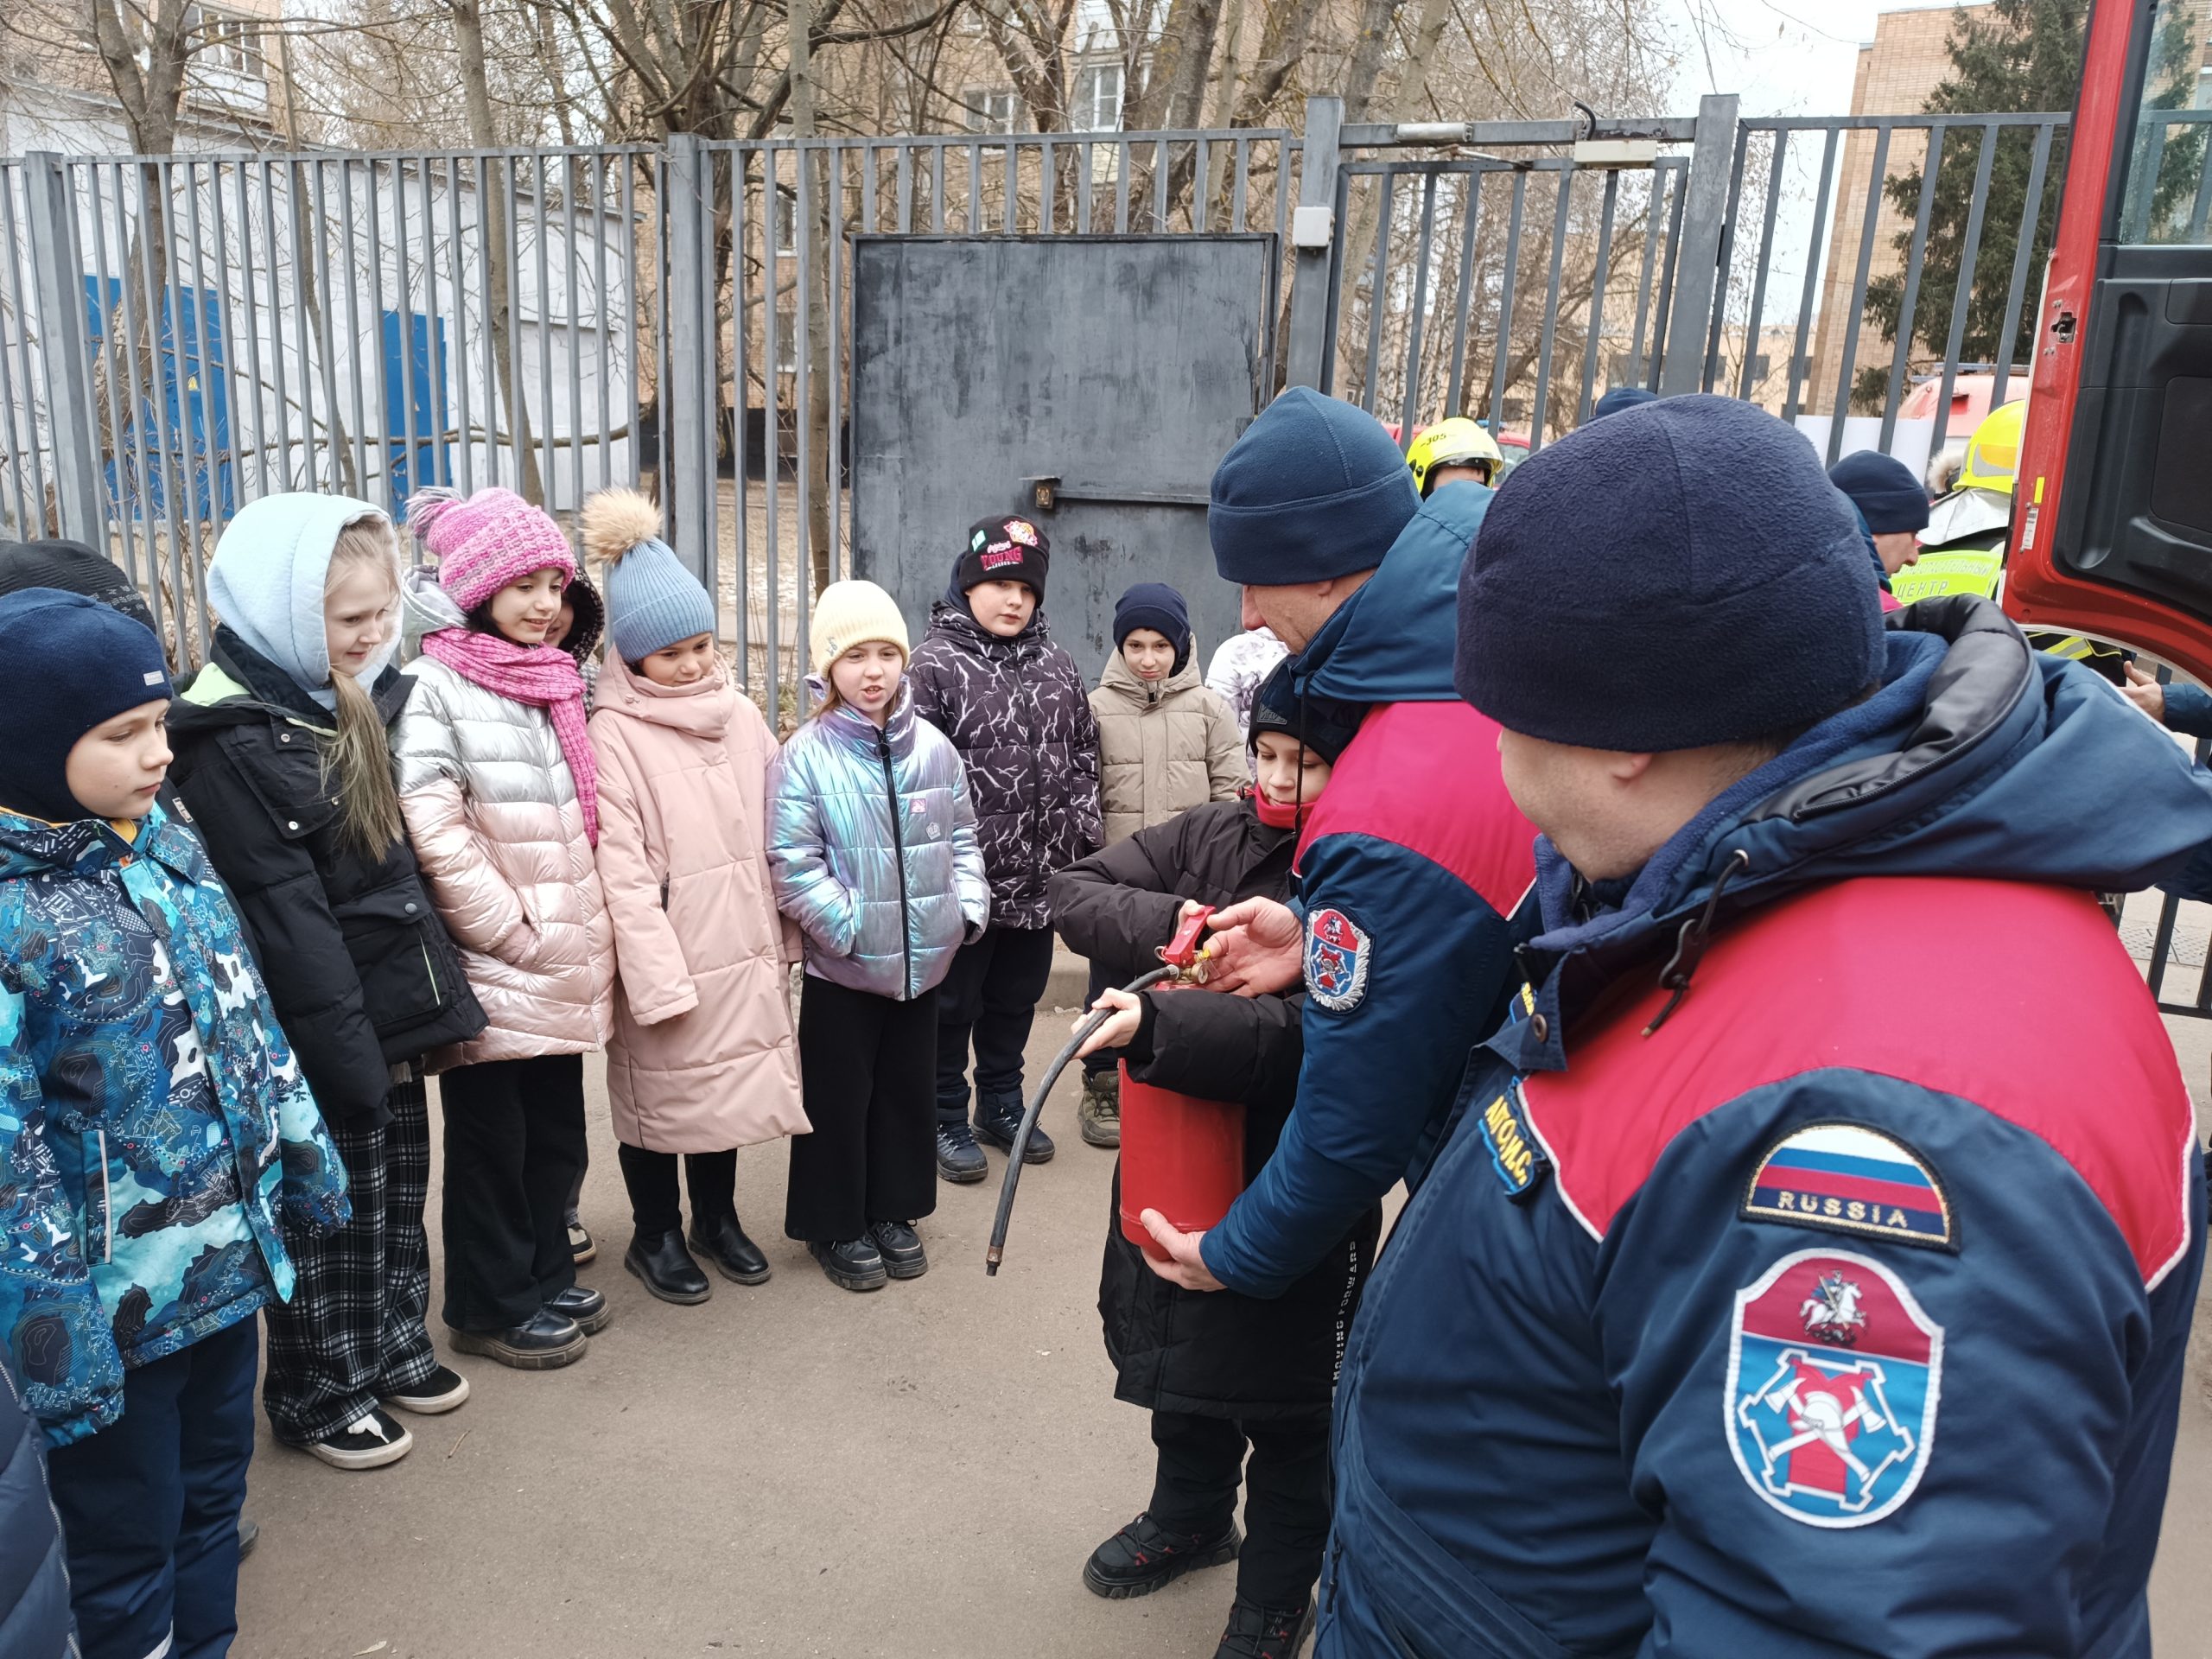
(1336, 953)
(1847, 1177)
(1833, 1376)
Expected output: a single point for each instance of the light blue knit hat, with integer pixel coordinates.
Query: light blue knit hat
(652, 600)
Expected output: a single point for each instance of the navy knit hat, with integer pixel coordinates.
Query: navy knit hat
(1004, 549)
(1325, 724)
(1679, 576)
(67, 663)
(1622, 398)
(1156, 606)
(1884, 491)
(1315, 488)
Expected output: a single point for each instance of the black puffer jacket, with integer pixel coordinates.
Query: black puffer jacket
(1020, 715)
(34, 1578)
(1213, 1353)
(358, 966)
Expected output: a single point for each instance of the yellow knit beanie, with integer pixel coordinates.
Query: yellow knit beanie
(848, 613)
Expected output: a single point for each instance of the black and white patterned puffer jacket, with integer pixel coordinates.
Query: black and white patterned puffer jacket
(1020, 715)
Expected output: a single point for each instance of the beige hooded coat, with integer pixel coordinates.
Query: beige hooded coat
(492, 812)
(1163, 749)
(704, 1057)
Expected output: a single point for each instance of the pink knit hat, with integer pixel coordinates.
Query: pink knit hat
(486, 540)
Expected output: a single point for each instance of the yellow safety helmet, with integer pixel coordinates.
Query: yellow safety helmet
(1456, 442)
(1993, 460)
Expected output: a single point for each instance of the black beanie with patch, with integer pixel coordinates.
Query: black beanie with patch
(1005, 550)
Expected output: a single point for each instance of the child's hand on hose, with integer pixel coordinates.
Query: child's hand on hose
(1128, 1014)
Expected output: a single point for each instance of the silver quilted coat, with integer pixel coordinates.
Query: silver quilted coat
(872, 844)
(491, 809)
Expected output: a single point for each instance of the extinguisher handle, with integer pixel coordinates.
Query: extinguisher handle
(1183, 950)
(1082, 1034)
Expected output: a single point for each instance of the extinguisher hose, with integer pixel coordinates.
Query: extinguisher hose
(1083, 1033)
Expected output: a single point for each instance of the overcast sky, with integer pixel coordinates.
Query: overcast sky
(1786, 57)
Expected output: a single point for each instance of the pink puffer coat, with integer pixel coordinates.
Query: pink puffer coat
(704, 1057)
(498, 830)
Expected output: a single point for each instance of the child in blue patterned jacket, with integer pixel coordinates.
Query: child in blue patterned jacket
(156, 1136)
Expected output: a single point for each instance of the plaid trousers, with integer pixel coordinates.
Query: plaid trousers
(354, 1330)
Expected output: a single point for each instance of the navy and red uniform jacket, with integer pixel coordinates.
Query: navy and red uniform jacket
(1841, 1309)
(1409, 871)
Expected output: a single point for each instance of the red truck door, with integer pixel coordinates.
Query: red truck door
(2112, 530)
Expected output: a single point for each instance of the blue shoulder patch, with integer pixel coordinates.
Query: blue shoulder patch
(1514, 1155)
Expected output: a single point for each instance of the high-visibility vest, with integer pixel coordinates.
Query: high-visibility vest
(1965, 569)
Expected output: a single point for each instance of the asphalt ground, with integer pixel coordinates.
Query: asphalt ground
(795, 1470)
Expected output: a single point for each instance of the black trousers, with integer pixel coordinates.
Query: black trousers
(650, 1177)
(991, 994)
(865, 1063)
(514, 1140)
(354, 1330)
(149, 1505)
(1286, 1494)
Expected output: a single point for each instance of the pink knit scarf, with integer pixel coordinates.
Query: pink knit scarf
(545, 677)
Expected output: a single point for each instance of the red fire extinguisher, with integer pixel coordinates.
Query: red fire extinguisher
(1180, 1156)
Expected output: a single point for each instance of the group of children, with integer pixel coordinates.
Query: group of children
(405, 823)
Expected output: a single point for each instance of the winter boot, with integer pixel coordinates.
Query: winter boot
(900, 1247)
(722, 1241)
(1099, 1114)
(959, 1159)
(1144, 1556)
(851, 1263)
(544, 1342)
(998, 1118)
(1257, 1632)
(587, 1307)
(667, 1269)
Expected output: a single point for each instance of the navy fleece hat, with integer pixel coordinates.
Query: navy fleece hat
(1156, 606)
(1315, 488)
(1619, 398)
(1884, 490)
(67, 663)
(1678, 576)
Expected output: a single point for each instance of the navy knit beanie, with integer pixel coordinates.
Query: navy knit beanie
(1675, 576)
(1884, 491)
(1620, 398)
(67, 663)
(1156, 606)
(1315, 488)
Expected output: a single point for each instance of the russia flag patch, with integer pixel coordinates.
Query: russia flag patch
(1851, 1179)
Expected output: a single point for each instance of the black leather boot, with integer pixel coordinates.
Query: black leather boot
(587, 1307)
(666, 1268)
(543, 1343)
(722, 1241)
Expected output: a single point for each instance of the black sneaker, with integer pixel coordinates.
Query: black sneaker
(370, 1441)
(1143, 1557)
(1257, 1632)
(585, 1307)
(441, 1390)
(959, 1159)
(854, 1263)
(998, 1120)
(901, 1251)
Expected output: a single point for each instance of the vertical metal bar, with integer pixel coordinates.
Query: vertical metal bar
(1010, 179)
(1123, 160)
(1240, 187)
(1201, 197)
(628, 226)
(1045, 192)
(67, 362)
(688, 304)
(1601, 271)
(1083, 186)
(253, 323)
(203, 384)
(1669, 262)
(14, 412)
(605, 312)
(90, 446)
(741, 400)
(906, 188)
(517, 388)
(464, 446)
(402, 311)
(1496, 416)
(230, 345)
(1704, 203)
(141, 323)
(1309, 350)
(356, 353)
(1797, 367)
(1470, 212)
(771, 423)
(549, 477)
(1338, 276)
(835, 289)
(1655, 212)
(868, 189)
(382, 401)
(486, 184)
(802, 349)
(434, 357)
(1551, 310)
(278, 354)
(118, 495)
(1748, 380)
(1159, 187)
(569, 275)
(28, 304)
(936, 187)
(2030, 217)
(170, 375)
(1409, 404)
(1725, 264)
(1929, 166)
(1845, 373)
(1387, 184)
(1970, 256)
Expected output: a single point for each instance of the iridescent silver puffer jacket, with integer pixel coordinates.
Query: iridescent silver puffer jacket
(872, 843)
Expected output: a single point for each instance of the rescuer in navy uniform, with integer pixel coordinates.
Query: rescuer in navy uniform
(1737, 1315)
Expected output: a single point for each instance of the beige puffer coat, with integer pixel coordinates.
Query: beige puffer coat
(498, 830)
(704, 1057)
(1163, 749)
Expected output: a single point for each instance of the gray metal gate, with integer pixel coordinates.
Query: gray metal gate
(1001, 374)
